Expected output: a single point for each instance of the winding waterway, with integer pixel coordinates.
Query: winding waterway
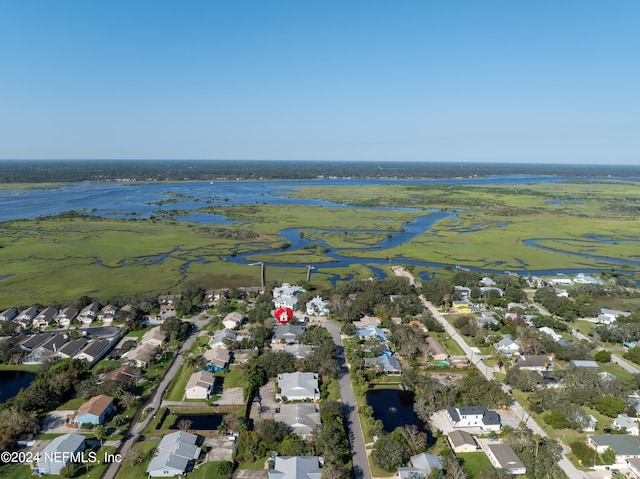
(180, 200)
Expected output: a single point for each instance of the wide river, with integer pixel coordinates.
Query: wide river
(143, 200)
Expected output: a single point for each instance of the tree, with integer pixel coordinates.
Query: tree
(416, 440)
(610, 406)
(608, 456)
(135, 455)
(184, 424)
(390, 452)
(101, 433)
(603, 356)
(69, 470)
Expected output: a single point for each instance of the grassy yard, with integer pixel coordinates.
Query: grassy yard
(234, 377)
(253, 465)
(208, 470)
(473, 463)
(378, 471)
(32, 368)
(139, 471)
(16, 472)
(72, 404)
(178, 385)
(450, 344)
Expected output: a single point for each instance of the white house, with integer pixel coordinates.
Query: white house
(608, 316)
(298, 387)
(67, 315)
(60, 452)
(503, 457)
(317, 307)
(45, 317)
(420, 466)
(473, 416)
(624, 445)
(223, 337)
(547, 330)
(88, 313)
(175, 455)
(9, 314)
(295, 467)
(200, 385)
(302, 418)
(625, 422)
(507, 346)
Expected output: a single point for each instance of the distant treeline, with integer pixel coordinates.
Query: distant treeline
(54, 171)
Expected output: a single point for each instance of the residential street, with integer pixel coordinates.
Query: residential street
(154, 402)
(570, 470)
(356, 438)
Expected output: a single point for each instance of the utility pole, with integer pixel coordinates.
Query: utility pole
(261, 264)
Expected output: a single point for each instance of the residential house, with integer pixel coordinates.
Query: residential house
(169, 298)
(302, 418)
(72, 348)
(299, 351)
(486, 318)
(590, 423)
(44, 318)
(298, 387)
(507, 346)
(285, 296)
(367, 321)
(9, 314)
(462, 441)
(124, 375)
(487, 282)
(550, 332)
(388, 364)
(295, 467)
(154, 337)
(60, 452)
(223, 337)
(461, 307)
(420, 466)
(534, 362)
(175, 455)
(561, 282)
(474, 416)
(372, 331)
(317, 307)
(561, 293)
(65, 316)
(624, 445)
(463, 292)
(625, 422)
(232, 320)
(436, 350)
(26, 317)
(608, 316)
(33, 341)
(95, 410)
(46, 350)
(140, 356)
(287, 333)
(583, 363)
(107, 314)
(94, 351)
(582, 278)
(200, 385)
(88, 313)
(502, 456)
(218, 359)
(516, 306)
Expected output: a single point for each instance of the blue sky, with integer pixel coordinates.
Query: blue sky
(513, 81)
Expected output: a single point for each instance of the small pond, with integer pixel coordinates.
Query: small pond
(12, 381)
(199, 421)
(393, 407)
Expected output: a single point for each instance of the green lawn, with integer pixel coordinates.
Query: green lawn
(473, 463)
(234, 377)
(253, 465)
(32, 368)
(72, 404)
(139, 471)
(178, 385)
(208, 470)
(16, 472)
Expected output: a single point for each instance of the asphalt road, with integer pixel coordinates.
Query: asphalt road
(136, 428)
(569, 469)
(354, 428)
